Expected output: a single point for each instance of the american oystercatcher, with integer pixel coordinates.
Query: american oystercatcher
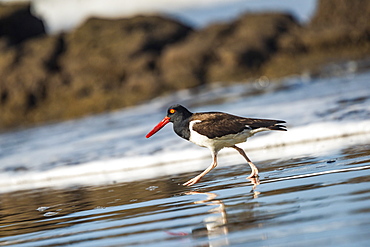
(215, 130)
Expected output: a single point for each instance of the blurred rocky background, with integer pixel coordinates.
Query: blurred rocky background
(107, 64)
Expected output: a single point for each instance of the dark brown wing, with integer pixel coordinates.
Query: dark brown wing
(217, 124)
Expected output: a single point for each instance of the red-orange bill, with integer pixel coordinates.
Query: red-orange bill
(159, 126)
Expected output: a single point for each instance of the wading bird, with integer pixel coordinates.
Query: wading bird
(215, 130)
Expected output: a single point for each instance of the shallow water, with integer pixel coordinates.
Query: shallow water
(312, 200)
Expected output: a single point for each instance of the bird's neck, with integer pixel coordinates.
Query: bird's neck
(181, 128)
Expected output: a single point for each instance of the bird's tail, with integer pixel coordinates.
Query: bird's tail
(278, 125)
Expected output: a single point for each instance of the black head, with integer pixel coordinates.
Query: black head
(179, 116)
(178, 113)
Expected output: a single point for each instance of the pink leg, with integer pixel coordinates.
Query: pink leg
(254, 173)
(199, 177)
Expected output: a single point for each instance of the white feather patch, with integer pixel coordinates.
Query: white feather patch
(216, 144)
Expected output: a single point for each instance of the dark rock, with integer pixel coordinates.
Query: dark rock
(17, 24)
(103, 65)
(119, 56)
(25, 79)
(335, 23)
(336, 13)
(339, 30)
(338, 23)
(224, 52)
(251, 44)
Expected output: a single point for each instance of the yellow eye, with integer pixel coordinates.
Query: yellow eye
(172, 111)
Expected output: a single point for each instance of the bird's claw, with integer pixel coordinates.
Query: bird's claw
(253, 175)
(192, 181)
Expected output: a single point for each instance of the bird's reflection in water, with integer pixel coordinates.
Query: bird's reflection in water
(255, 182)
(215, 226)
